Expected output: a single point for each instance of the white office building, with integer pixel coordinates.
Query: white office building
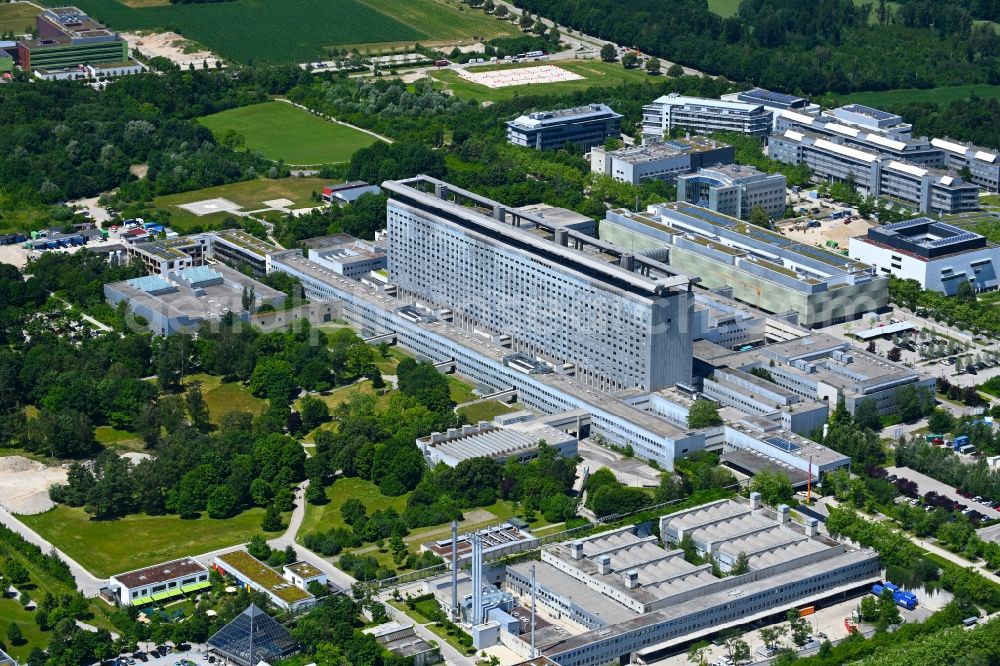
(734, 190)
(704, 116)
(937, 255)
(660, 160)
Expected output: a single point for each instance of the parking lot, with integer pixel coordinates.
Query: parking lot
(926, 484)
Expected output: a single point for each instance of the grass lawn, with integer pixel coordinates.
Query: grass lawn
(387, 366)
(483, 411)
(249, 194)
(119, 439)
(106, 548)
(595, 73)
(15, 17)
(222, 398)
(328, 516)
(11, 612)
(941, 96)
(460, 390)
(724, 8)
(284, 132)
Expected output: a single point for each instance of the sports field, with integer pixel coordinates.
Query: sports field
(594, 73)
(15, 17)
(944, 95)
(295, 31)
(284, 132)
(248, 194)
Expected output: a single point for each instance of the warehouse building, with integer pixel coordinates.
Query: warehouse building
(660, 160)
(156, 583)
(937, 255)
(734, 190)
(66, 39)
(584, 126)
(630, 593)
(181, 301)
(818, 367)
(346, 193)
(704, 116)
(613, 319)
(756, 266)
(518, 440)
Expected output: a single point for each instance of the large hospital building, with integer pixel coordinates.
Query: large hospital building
(613, 319)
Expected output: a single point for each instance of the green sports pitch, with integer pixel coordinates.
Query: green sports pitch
(297, 31)
(284, 132)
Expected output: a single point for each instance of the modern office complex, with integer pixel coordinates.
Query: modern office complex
(704, 116)
(983, 164)
(759, 267)
(818, 367)
(585, 126)
(923, 188)
(181, 301)
(734, 190)
(660, 160)
(634, 596)
(613, 319)
(937, 255)
(66, 39)
(774, 102)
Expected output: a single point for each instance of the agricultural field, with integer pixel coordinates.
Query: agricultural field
(443, 21)
(249, 194)
(594, 73)
(296, 31)
(105, 548)
(943, 95)
(15, 17)
(284, 132)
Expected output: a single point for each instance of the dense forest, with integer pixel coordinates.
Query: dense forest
(809, 47)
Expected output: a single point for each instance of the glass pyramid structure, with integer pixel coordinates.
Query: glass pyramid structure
(252, 637)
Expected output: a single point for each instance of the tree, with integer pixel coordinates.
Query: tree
(736, 649)
(197, 408)
(630, 60)
(698, 654)
(353, 512)
(248, 298)
(759, 217)
(888, 611)
(653, 66)
(741, 565)
(869, 608)
(233, 140)
(257, 546)
(964, 293)
(314, 413)
(774, 487)
(272, 520)
(15, 572)
(866, 415)
(800, 629)
(14, 634)
(771, 636)
(894, 354)
(703, 414)
(221, 503)
(608, 53)
(675, 70)
(272, 378)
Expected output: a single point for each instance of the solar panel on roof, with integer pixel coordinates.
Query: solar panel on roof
(878, 114)
(149, 283)
(783, 444)
(959, 238)
(770, 96)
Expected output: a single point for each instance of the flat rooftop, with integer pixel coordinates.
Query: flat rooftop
(659, 150)
(160, 573)
(548, 576)
(256, 571)
(539, 119)
(740, 107)
(491, 441)
(243, 240)
(304, 570)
